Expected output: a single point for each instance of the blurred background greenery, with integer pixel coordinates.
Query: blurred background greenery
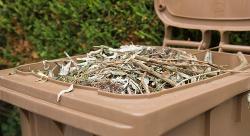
(9, 120)
(32, 30)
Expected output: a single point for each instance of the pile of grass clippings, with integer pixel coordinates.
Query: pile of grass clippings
(133, 69)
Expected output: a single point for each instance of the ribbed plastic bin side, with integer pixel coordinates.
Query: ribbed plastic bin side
(36, 125)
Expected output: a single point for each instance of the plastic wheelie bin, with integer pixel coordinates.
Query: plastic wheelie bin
(214, 107)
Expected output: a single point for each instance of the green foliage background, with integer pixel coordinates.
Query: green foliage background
(31, 30)
(46, 28)
(9, 120)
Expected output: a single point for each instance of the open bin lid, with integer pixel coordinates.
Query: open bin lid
(205, 15)
(221, 15)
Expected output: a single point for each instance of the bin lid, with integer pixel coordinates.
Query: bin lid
(221, 15)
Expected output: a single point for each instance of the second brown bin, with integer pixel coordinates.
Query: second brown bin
(214, 107)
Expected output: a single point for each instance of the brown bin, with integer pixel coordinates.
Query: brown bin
(214, 107)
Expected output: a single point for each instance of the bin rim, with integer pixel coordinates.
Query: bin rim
(22, 71)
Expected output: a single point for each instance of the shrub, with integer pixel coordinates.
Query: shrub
(46, 28)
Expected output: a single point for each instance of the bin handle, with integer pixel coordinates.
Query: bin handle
(225, 45)
(203, 44)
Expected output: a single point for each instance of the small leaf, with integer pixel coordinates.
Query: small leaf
(65, 69)
(64, 91)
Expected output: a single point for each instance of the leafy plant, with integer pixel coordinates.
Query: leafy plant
(9, 120)
(48, 27)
